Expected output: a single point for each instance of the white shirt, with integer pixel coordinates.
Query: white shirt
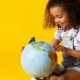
(65, 36)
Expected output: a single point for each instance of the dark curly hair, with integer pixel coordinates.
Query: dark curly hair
(71, 6)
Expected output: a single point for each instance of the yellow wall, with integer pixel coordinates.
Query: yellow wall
(19, 21)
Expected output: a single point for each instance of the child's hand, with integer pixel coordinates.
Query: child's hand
(61, 48)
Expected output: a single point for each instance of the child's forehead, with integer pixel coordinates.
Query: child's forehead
(57, 10)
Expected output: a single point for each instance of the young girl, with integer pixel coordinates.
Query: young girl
(66, 15)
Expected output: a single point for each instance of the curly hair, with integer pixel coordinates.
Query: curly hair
(71, 6)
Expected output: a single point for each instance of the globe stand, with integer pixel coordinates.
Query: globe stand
(32, 40)
(44, 78)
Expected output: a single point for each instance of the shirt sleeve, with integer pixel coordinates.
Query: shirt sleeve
(57, 35)
(78, 36)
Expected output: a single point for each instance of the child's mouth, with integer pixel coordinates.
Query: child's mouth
(61, 24)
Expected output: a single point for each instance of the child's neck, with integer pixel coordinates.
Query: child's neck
(69, 28)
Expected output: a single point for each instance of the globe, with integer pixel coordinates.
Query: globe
(37, 60)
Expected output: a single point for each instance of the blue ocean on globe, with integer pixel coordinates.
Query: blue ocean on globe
(36, 59)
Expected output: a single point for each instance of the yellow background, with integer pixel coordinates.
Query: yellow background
(19, 21)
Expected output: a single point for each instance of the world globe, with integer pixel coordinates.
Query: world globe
(38, 59)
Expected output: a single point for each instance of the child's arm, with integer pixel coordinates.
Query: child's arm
(72, 52)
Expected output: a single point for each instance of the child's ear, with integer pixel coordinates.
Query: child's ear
(32, 39)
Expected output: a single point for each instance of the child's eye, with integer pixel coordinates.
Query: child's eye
(60, 17)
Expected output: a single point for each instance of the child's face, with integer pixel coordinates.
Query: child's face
(61, 17)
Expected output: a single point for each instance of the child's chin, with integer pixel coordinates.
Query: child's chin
(62, 27)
